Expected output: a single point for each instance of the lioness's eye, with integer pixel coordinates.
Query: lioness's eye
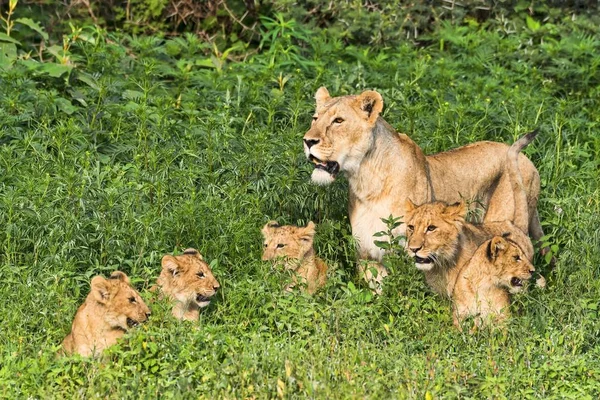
(411, 228)
(517, 258)
(200, 275)
(315, 118)
(338, 120)
(266, 245)
(431, 228)
(132, 300)
(280, 245)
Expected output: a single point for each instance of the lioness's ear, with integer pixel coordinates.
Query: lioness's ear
(120, 276)
(456, 210)
(322, 96)
(169, 264)
(100, 289)
(269, 227)
(371, 104)
(308, 233)
(495, 247)
(193, 252)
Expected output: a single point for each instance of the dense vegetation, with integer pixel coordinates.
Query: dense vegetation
(116, 149)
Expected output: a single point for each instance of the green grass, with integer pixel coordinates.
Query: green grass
(144, 149)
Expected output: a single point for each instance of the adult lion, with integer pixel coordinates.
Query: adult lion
(385, 168)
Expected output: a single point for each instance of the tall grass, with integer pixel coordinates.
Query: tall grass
(149, 146)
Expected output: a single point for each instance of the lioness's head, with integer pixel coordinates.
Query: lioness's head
(187, 278)
(341, 133)
(432, 232)
(291, 242)
(124, 308)
(510, 266)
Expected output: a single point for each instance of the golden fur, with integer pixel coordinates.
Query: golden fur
(110, 309)
(385, 168)
(187, 280)
(294, 245)
(498, 267)
(442, 241)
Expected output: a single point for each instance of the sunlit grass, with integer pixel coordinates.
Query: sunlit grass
(153, 158)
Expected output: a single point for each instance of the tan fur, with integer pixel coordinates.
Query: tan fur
(385, 168)
(187, 280)
(109, 310)
(498, 267)
(294, 245)
(442, 241)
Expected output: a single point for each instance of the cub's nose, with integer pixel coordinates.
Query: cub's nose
(415, 249)
(310, 142)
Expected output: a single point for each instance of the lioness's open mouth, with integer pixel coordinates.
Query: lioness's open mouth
(331, 167)
(132, 322)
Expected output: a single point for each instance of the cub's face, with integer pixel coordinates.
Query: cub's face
(123, 304)
(288, 242)
(432, 232)
(341, 133)
(188, 278)
(510, 265)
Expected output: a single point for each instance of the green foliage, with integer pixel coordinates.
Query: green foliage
(147, 145)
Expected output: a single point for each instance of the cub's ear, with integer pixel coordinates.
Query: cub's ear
(120, 276)
(193, 252)
(322, 96)
(169, 264)
(371, 104)
(495, 246)
(409, 206)
(100, 289)
(308, 233)
(269, 227)
(456, 210)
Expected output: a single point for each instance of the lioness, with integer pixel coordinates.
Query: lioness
(385, 168)
(188, 280)
(110, 309)
(442, 241)
(498, 267)
(294, 245)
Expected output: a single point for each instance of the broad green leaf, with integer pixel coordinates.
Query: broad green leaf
(5, 38)
(33, 25)
(55, 70)
(533, 24)
(88, 80)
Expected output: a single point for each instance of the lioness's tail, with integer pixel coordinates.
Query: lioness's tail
(521, 213)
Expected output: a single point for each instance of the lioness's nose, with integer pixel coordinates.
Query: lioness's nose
(311, 142)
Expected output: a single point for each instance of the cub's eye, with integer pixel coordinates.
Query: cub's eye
(280, 245)
(410, 227)
(517, 258)
(132, 300)
(266, 245)
(338, 120)
(315, 118)
(200, 275)
(431, 228)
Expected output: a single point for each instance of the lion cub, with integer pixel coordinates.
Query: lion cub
(295, 246)
(442, 241)
(188, 280)
(498, 267)
(110, 309)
